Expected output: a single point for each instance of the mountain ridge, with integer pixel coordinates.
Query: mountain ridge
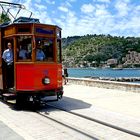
(97, 50)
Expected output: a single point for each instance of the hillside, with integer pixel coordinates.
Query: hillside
(101, 51)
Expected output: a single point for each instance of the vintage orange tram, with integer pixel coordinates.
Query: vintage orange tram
(35, 75)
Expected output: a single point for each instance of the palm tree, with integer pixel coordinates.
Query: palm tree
(4, 18)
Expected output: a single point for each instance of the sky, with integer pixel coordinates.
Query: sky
(82, 17)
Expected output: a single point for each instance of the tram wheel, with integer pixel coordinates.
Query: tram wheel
(20, 101)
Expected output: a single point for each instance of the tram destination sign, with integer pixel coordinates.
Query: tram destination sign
(44, 31)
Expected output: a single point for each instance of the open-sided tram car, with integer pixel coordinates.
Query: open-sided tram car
(33, 78)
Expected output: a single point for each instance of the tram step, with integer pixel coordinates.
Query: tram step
(9, 96)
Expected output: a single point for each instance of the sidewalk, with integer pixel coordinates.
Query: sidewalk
(127, 103)
(116, 107)
(7, 133)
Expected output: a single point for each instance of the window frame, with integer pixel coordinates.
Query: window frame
(53, 46)
(17, 49)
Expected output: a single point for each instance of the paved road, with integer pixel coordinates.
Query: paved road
(127, 103)
(114, 106)
(7, 133)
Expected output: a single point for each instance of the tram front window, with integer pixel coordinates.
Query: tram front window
(24, 48)
(44, 49)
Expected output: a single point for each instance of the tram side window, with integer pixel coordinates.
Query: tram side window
(59, 57)
(24, 48)
(44, 49)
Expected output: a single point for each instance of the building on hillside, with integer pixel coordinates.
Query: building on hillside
(132, 58)
(112, 62)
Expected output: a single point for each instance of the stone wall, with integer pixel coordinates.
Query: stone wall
(133, 87)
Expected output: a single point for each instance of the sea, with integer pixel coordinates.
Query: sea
(103, 72)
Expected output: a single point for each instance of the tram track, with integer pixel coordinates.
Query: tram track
(70, 127)
(97, 121)
(58, 123)
(79, 130)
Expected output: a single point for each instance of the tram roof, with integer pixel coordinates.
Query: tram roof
(24, 20)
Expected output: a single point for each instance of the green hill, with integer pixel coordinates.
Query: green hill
(97, 50)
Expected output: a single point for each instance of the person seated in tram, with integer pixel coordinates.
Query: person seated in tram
(23, 53)
(40, 54)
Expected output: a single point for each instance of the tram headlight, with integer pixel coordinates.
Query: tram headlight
(46, 81)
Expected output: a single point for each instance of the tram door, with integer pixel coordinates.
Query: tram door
(1, 76)
(7, 76)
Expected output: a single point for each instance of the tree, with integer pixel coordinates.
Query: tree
(4, 18)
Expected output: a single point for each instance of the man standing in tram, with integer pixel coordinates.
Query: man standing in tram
(8, 59)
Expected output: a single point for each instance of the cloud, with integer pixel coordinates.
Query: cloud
(122, 7)
(50, 1)
(62, 8)
(72, 0)
(118, 17)
(38, 1)
(87, 8)
(6, 0)
(105, 1)
(68, 23)
(98, 22)
(40, 7)
(101, 10)
(5, 7)
(39, 11)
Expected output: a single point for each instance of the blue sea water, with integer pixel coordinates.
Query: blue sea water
(88, 72)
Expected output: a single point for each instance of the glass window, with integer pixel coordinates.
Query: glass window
(44, 49)
(24, 48)
(59, 57)
(58, 34)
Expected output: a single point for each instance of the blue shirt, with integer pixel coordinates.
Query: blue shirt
(40, 55)
(23, 54)
(8, 56)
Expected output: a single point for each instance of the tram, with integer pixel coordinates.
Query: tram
(34, 76)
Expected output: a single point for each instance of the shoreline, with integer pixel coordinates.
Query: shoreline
(103, 68)
(109, 73)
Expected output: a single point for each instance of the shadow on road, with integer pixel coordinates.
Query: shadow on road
(71, 104)
(66, 103)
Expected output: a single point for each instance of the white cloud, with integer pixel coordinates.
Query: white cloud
(38, 1)
(40, 7)
(39, 12)
(101, 10)
(87, 8)
(68, 23)
(122, 7)
(62, 8)
(6, 0)
(50, 1)
(119, 17)
(67, 3)
(105, 1)
(5, 7)
(72, 0)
